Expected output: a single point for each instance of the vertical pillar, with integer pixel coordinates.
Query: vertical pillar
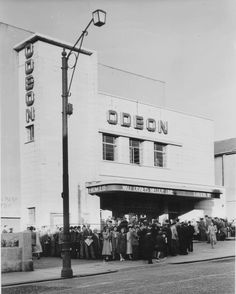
(25, 243)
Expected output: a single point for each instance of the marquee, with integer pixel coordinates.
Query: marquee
(100, 189)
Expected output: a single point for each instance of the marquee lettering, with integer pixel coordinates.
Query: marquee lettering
(149, 190)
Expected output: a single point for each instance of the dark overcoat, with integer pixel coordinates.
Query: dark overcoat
(122, 243)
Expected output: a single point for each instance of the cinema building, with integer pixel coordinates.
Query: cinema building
(125, 156)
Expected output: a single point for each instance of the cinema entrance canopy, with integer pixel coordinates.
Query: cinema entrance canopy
(152, 199)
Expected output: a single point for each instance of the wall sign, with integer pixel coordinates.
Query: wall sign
(138, 123)
(29, 86)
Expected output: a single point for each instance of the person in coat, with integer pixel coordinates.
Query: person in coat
(212, 234)
(88, 242)
(106, 248)
(96, 244)
(160, 245)
(148, 246)
(202, 230)
(122, 244)
(60, 242)
(141, 233)
(46, 243)
(174, 238)
(114, 242)
(78, 241)
(73, 242)
(183, 239)
(190, 233)
(129, 236)
(135, 243)
(167, 231)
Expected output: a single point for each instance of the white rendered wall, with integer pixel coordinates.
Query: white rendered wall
(189, 161)
(42, 159)
(10, 138)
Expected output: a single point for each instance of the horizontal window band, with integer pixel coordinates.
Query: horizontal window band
(141, 138)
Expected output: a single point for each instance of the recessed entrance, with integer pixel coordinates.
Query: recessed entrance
(140, 203)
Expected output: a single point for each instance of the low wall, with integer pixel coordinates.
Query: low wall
(16, 252)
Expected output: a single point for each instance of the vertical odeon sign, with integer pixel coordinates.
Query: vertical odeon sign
(29, 86)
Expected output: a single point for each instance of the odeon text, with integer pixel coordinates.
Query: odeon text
(139, 122)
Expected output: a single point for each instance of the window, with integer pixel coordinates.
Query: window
(109, 147)
(30, 133)
(135, 151)
(159, 154)
(31, 216)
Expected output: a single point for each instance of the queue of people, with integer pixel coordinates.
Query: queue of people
(135, 239)
(121, 239)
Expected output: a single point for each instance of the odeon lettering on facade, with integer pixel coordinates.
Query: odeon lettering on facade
(139, 122)
(29, 86)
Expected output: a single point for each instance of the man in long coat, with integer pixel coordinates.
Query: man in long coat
(148, 246)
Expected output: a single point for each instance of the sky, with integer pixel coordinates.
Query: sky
(188, 44)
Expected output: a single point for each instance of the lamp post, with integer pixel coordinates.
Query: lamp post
(98, 19)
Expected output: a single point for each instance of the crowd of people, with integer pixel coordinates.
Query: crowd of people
(132, 239)
(135, 239)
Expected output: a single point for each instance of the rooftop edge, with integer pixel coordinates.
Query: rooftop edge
(39, 37)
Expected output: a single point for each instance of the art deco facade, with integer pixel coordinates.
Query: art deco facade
(125, 156)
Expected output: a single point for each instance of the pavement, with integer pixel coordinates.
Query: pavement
(49, 268)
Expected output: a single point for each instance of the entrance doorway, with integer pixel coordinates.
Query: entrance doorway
(150, 205)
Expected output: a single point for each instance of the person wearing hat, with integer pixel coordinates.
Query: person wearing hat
(135, 242)
(141, 234)
(88, 242)
(183, 238)
(190, 233)
(148, 246)
(114, 242)
(122, 243)
(73, 241)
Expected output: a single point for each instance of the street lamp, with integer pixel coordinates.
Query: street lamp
(98, 19)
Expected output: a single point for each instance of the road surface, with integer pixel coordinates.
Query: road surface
(203, 277)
